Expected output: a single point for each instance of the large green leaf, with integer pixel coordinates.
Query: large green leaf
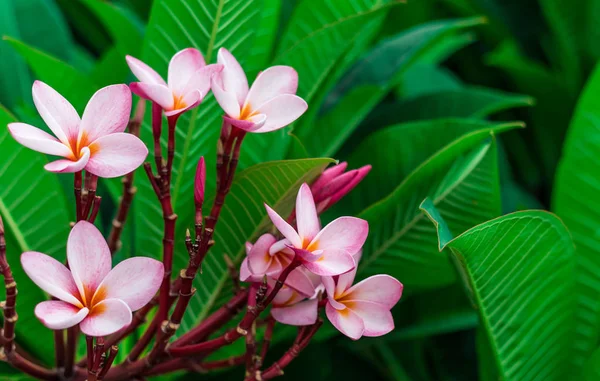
(14, 88)
(173, 26)
(574, 200)
(519, 272)
(243, 218)
(36, 218)
(463, 180)
(416, 141)
(370, 80)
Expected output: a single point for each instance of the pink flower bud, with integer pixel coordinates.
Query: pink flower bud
(199, 183)
(335, 184)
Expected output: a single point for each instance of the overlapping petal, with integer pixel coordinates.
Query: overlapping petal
(274, 81)
(56, 314)
(281, 111)
(182, 67)
(306, 215)
(144, 72)
(106, 317)
(60, 116)
(377, 319)
(233, 76)
(299, 314)
(154, 92)
(382, 289)
(116, 155)
(346, 321)
(51, 276)
(70, 166)
(106, 113)
(345, 234)
(284, 228)
(38, 140)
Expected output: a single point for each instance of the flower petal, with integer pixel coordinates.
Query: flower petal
(55, 314)
(116, 155)
(190, 100)
(281, 111)
(56, 111)
(134, 281)
(106, 113)
(226, 99)
(201, 79)
(159, 94)
(259, 258)
(301, 282)
(144, 72)
(346, 321)
(303, 313)
(377, 318)
(68, 166)
(272, 82)
(345, 234)
(345, 281)
(234, 78)
(251, 124)
(106, 317)
(51, 276)
(38, 140)
(284, 228)
(89, 258)
(382, 289)
(331, 264)
(286, 296)
(245, 274)
(306, 215)
(181, 68)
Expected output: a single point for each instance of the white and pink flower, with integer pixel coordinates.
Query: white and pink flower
(89, 293)
(188, 81)
(326, 251)
(294, 308)
(362, 309)
(96, 142)
(270, 104)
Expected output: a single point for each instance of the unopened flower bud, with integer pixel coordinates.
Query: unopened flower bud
(199, 183)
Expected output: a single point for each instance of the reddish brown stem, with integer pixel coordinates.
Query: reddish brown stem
(267, 339)
(59, 348)
(27, 367)
(109, 361)
(72, 334)
(156, 132)
(77, 190)
(172, 122)
(91, 183)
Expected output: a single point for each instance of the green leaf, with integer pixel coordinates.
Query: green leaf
(206, 25)
(574, 200)
(519, 272)
(462, 179)
(591, 370)
(243, 218)
(417, 141)
(36, 218)
(371, 79)
(14, 88)
(264, 40)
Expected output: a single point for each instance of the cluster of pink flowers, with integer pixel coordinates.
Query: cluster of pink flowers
(325, 259)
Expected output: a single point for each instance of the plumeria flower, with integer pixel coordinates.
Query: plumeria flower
(326, 251)
(362, 309)
(270, 104)
(293, 308)
(90, 294)
(188, 81)
(334, 183)
(267, 257)
(96, 142)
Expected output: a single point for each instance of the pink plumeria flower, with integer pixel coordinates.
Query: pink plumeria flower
(293, 308)
(90, 294)
(362, 309)
(270, 104)
(267, 257)
(96, 142)
(188, 81)
(334, 183)
(326, 251)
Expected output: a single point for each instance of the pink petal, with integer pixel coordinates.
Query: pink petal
(306, 215)
(56, 111)
(345, 281)
(252, 124)
(270, 83)
(89, 258)
(134, 281)
(259, 258)
(190, 100)
(68, 166)
(234, 78)
(226, 99)
(159, 94)
(382, 289)
(329, 284)
(201, 79)
(200, 182)
(106, 113)
(38, 140)
(245, 274)
(377, 319)
(55, 314)
(303, 313)
(281, 246)
(327, 176)
(301, 282)
(281, 111)
(284, 228)
(144, 72)
(286, 296)
(182, 67)
(116, 155)
(346, 321)
(106, 317)
(248, 247)
(337, 184)
(345, 234)
(331, 264)
(51, 276)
